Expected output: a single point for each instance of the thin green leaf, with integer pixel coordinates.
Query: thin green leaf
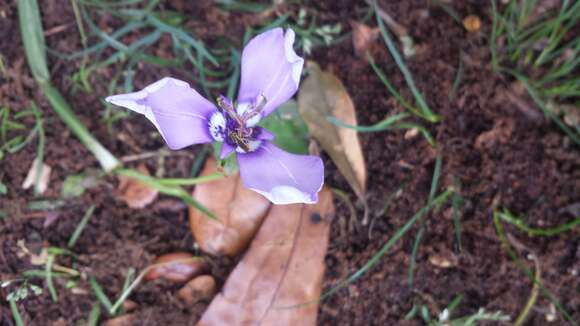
(94, 315)
(100, 294)
(427, 113)
(48, 279)
(15, 313)
(439, 200)
(106, 159)
(80, 228)
(33, 39)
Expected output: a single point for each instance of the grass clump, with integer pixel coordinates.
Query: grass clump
(539, 46)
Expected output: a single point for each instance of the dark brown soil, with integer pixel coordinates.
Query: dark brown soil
(492, 152)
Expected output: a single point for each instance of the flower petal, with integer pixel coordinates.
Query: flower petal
(265, 134)
(226, 150)
(270, 67)
(178, 111)
(282, 177)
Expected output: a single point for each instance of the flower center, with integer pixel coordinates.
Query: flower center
(237, 126)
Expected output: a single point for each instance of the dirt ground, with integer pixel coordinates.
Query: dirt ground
(495, 154)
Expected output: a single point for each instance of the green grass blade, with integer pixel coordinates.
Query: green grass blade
(185, 37)
(174, 191)
(106, 159)
(48, 279)
(428, 114)
(419, 237)
(94, 315)
(380, 126)
(190, 181)
(235, 77)
(439, 200)
(513, 255)
(574, 136)
(100, 294)
(127, 289)
(16, 314)
(508, 217)
(413, 260)
(33, 39)
(244, 6)
(456, 202)
(80, 228)
(36, 56)
(39, 148)
(392, 89)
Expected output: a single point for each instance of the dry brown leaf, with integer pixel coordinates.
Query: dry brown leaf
(177, 267)
(322, 95)
(279, 279)
(135, 193)
(32, 173)
(200, 288)
(363, 37)
(239, 212)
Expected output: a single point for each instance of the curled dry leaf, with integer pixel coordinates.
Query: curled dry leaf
(279, 279)
(322, 95)
(135, 193)
(363, 37)
(239, 213)
(200, 288)
(32, 176)
(176, 267)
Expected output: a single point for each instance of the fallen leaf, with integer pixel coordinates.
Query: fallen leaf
(135, 193)
(363, 37)
(76, 184)
(323, 95)
(176, 267)
(32, 174)
(279, 279)
(239, 212)
(200, 288)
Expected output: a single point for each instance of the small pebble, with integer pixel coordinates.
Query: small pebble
(441, 261)
(472, 23)
(200, 288)
(177, 267)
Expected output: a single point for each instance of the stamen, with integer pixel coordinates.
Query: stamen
(225, 104)
(235, 125)
(257, 109)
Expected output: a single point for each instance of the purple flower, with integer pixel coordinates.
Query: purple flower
(270, 76)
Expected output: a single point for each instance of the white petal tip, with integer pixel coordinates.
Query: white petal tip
(296, 61)
(285, 195)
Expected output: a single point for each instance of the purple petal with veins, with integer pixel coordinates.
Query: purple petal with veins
(282, 177)
(178, 111)
(271, 68)
(270, 76)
